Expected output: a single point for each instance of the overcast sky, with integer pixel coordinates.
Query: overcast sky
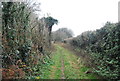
(81, 15)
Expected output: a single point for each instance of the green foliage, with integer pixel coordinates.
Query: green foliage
(50, 21)
(41, 69)
(103, 45)
(24, 37)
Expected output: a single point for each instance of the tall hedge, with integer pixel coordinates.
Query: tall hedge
(24, 37)
(103, 45)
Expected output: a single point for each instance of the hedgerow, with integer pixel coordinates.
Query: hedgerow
(103, 45)
(25, 39)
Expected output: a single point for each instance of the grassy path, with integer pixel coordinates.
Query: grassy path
(66, 65)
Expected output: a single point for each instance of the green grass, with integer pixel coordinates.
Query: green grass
(57, 65)
(73, 69)
(53, 71)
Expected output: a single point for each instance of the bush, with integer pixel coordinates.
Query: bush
(104, 47)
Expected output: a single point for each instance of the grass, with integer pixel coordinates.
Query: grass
(53, 71)
(73, 67)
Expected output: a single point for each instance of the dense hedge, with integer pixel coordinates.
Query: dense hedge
(104, 47)
(25, 39)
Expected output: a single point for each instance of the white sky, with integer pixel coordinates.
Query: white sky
(81, 15)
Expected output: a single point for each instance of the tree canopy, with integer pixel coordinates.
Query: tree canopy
(62, 34)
